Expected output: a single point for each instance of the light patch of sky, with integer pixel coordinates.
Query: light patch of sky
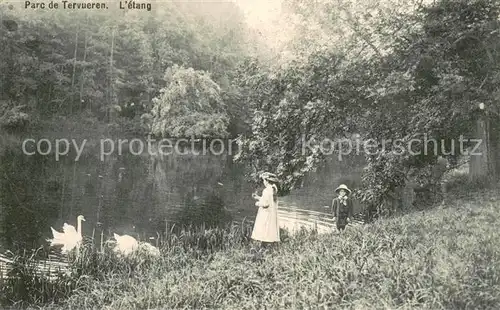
(265, 17)
(260, 12)
(276, 28)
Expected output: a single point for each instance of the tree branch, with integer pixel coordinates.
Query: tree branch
(352, 24)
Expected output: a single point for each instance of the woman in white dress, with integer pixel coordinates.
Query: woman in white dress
(266, 228)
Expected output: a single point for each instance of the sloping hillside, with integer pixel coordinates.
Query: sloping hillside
(438, 259)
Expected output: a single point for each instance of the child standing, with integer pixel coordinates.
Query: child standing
(266, 228)
(342, 207)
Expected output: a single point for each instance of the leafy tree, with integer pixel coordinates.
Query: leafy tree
(428, 84)
(431, 85)
(63, 62)
(189, 106)
(292, 106)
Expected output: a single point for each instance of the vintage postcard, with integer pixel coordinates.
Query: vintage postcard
(249, 154)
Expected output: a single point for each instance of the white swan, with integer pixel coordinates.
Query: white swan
(126, 245)
(70, 238)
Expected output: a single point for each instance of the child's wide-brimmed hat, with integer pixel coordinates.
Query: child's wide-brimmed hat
(344, 187)
(269, 177)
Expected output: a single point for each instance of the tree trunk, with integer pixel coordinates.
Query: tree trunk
(74, 71)
(493, 147)
(484, 162)
(111, 82)
(83, 70)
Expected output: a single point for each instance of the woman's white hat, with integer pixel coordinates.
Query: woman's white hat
(269, 177)
(344, 187)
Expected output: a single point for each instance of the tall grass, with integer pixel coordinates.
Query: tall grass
(27, 285)
(436, 259)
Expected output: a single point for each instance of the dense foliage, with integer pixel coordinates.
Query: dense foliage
(113, 62)
(424, 82)
(189, 106)
(388, 72)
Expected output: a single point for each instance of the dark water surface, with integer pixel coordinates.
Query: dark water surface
(142, 195)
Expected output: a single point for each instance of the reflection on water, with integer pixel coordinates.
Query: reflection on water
(136, 195)
(295, 219)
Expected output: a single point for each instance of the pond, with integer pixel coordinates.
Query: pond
(142, 195)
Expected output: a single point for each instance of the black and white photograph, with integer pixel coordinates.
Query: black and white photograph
(250, 154)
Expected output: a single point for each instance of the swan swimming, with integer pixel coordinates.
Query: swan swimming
(70, 238)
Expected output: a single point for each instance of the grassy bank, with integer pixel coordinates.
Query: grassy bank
(438, 259)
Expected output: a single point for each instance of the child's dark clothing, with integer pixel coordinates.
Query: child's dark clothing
(342, 209)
